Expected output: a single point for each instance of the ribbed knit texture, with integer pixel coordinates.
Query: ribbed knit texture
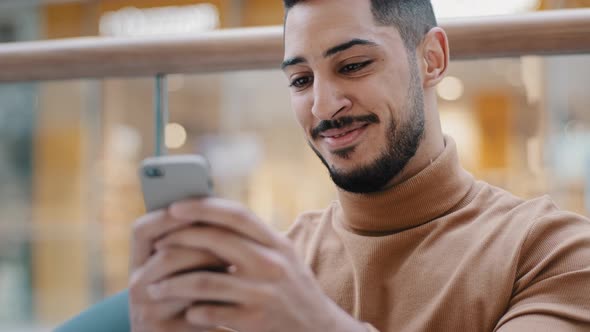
(443, 252)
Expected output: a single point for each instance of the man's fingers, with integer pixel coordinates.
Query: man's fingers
(226, 214)
(169, 261)
(179, 324)
(249, 258)
(146, 230)
(207, 287)
(182, 325)
(214, 315)
(161, 310)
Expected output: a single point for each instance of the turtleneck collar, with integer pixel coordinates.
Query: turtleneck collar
(434, 191)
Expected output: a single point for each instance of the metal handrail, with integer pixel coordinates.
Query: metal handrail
(540, 33)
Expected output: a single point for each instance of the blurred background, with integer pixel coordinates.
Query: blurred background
(69, 150)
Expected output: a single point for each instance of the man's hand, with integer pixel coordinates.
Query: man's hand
(150, 266)
(266, 288)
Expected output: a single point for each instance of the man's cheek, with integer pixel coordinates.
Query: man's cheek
(304, 120)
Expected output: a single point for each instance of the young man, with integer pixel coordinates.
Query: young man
(413, 243)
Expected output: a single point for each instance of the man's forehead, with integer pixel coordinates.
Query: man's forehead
(316, 25)
(318, 44)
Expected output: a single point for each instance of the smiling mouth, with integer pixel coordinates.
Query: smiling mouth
(341, 135)
(336, 127)
(339, 139)
(341, 132)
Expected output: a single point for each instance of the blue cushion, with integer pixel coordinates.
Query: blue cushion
(110, 315)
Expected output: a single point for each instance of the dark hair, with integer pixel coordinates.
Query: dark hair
(412, 18)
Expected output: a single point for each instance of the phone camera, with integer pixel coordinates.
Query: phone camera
(153, 172)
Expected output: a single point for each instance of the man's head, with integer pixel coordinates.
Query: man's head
(358, 70)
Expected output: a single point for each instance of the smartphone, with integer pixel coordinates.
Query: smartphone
(168, 179)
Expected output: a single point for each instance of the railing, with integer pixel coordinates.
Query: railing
(542, 33)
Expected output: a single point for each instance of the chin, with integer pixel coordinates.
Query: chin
(348, 160)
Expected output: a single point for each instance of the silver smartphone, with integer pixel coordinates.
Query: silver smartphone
(168, 179)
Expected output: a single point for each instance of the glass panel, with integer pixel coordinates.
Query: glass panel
(522, 124)
(69, 153)
(49, 231)
(17, 112)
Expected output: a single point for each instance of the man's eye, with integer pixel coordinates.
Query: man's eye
(351, 68)
(301, 82)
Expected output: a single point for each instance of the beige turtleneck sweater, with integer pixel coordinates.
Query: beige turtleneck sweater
(443, 252)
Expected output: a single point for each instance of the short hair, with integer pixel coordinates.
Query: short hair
(412, 18)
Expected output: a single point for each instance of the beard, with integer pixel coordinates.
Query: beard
(402, 142)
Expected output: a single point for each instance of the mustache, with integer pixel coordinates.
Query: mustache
(342, 122)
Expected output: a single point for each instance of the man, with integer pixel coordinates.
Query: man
(413, 243)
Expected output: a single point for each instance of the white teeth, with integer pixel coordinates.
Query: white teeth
(337, 136)
(344, 134)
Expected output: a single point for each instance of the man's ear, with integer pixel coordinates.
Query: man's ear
(435, 54)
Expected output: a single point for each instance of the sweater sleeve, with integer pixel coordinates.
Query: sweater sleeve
(552, 285)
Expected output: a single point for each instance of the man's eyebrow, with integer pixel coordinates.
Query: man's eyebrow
(347, 45)
(292, 61)
(330, 52)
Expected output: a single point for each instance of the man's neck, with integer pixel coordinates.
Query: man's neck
(426, 196)
(431, 146)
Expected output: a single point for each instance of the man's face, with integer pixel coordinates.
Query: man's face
(355, 91)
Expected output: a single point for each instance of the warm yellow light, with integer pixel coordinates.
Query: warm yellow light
(162, 21)
(175, 136)
(462, 8)
(450, 88)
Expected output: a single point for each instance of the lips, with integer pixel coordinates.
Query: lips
(336, 133)
(341, 138)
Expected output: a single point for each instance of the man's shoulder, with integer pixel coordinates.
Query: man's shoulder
(552, 225)
(532, 221)
(308, 224)
(308, 221)
(532, 210)
(554, 251)
(539, 252)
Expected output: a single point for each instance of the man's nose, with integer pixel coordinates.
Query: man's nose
(328, 100)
